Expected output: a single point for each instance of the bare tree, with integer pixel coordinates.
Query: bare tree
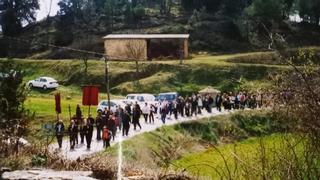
(136, 51)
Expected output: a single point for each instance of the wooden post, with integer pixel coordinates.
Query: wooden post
(107, 80)
(186, 48)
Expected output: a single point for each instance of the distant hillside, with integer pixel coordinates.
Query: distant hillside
(215, 26)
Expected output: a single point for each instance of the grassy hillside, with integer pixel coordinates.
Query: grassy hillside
(221, 71)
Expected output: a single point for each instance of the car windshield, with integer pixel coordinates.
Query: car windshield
(140, 98)
(130, 97)
(105, 103)
(167, 97)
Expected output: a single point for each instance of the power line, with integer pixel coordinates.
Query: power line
(102, 55)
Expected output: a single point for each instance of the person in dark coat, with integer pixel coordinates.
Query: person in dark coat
(181, 106)
(119, 116)
(128, 109)
(72, 130)
(136, 116)
(78, 112)
(218, 102)
(187, 106)
(111, 125)
(126, 123)
(59, 129)
(194, 105)
(105, 117)
(164, 112)
(152, 110)
(74, 118)
(81, 131)
(175, 109)
(99, 126)
(88, 131)
(210, 104)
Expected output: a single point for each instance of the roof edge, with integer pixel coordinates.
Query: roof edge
(147, 36)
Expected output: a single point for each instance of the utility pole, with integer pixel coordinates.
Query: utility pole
(181, 52)
(106, 62)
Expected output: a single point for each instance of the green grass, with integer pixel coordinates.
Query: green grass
(213, 162)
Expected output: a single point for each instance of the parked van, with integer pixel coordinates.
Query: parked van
(170, 96)
(140, 98)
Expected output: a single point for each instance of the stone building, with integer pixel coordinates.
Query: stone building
(146, 46)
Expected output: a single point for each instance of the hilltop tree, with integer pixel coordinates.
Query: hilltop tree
(309, 11)
(210, 5)
(16, 13)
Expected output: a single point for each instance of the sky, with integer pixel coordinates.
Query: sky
(45, 8)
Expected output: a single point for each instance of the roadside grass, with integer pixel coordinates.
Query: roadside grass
(243, 159)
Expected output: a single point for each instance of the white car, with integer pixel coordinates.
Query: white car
(140, 99)
(114, 104)
(44, 82)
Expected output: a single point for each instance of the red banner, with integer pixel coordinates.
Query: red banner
(57, 98)
(90, 95)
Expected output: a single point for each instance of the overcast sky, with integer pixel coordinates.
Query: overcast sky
(45, 8)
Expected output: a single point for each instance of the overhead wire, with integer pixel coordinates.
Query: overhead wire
(102, 55)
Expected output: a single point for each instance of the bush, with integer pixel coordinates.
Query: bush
(257, 125)
(206, 131)
(39, 160)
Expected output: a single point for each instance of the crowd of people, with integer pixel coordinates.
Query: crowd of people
(107, 123)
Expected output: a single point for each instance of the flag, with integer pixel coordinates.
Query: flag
(90, 95)
(58, 102)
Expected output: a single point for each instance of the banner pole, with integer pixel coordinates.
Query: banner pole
(89, 110)
(70, 112)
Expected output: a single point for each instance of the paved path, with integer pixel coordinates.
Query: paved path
(97, 146)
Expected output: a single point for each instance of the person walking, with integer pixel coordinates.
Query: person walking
(99, 125)
(182, 106)
(152, 110)
(194, 105)
(111, 125)
(72, 130)
(106, 137)
(145, 111)
(187, 108)
(88, 132)
(59, 129)
(158, 107)
(210, 103)
(78, 112)
(218, 102)
(74, 118)
(119, 116)
(200, 104)
(136, 116)
(175, 109)
(242, 101)
(164, 112)
(128, 109)
(126, 123)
